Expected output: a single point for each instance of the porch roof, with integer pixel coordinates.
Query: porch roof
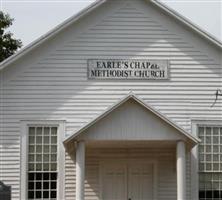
(192, 139)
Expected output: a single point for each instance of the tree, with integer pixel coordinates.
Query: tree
(8, 44)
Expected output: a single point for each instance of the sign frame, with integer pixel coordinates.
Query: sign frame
(89, 61)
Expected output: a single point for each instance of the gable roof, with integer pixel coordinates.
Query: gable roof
(188, 23)
(192, 138)
(90, 8)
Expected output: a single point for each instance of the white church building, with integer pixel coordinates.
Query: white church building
(116, 103)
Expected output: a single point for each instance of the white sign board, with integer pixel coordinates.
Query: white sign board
(128, 69)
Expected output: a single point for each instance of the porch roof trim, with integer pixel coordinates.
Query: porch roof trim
(131, 95)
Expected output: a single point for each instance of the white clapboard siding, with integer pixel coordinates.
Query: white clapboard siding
(121, 125)
(51, 82)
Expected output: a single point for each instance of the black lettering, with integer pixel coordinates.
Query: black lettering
(98, 64)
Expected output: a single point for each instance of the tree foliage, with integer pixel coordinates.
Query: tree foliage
(8, 44)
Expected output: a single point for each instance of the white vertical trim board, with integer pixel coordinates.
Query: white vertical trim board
(24, 125)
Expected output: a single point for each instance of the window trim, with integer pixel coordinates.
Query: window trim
(195, 123)
(24, 127)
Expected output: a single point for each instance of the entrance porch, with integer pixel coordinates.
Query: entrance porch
(131, 152)
(131, 170)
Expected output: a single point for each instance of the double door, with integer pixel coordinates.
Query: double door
(128, 181)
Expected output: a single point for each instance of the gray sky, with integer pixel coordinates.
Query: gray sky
(33, 18)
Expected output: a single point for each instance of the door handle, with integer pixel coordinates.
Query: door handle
(129, 199)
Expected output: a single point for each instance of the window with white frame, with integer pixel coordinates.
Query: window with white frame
(42, 162)
(210, 162)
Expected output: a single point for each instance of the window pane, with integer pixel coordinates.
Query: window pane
(31, 148)
(31, 167)
(31, 176)
(53, 194)
(215, 148)
(208, 140)
(216, 140)
(46, 185)
(31, 131)
(46, 131)
(216, 186)
(46, 176)
(216, 157)
(201, 167)
(208, 148)
(208, 157)
(54, 140)
(53, 157)
(38, 176)
(38, 167)
(201, 148)
(31, 194)
(46, 158)
(209, 194)
(46, 167)
(208, 131)
(39, 139)
(54, 149)
(38, 158)
(201, 130)
(38, 185)
(216, 194)
(53, 185)
(31, 139)
(31, 158)
(216, 166)
(39, 131)
(46, 148)
(215, 131)
(46, 194)
(202, 194)
(31, 185)
(53, 176)
(38, 194)
(38, 148)
(208, 177)
(54, 131)
(53, 166)
(46, 140)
